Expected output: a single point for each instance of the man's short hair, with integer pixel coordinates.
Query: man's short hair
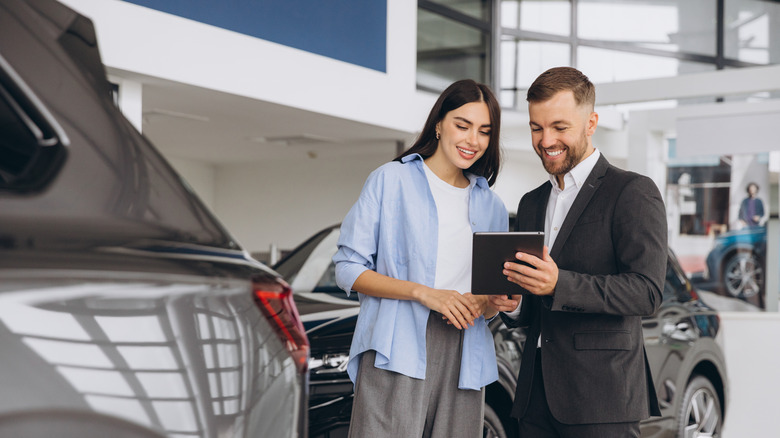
(559, 79)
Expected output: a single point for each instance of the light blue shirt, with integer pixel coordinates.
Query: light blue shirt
(393, 230)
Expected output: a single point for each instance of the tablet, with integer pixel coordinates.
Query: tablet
(489, 253)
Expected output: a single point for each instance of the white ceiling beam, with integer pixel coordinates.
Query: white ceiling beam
(715, 83)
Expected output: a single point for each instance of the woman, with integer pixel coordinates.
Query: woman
(422, 352)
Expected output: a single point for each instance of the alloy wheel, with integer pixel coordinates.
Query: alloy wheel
(743, 275)
(701, 411)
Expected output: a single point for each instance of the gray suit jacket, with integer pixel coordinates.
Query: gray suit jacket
(611, 254)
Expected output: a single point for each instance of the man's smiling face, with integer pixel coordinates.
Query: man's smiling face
(561, 132)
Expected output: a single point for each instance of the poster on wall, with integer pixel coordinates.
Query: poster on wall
(717, 209)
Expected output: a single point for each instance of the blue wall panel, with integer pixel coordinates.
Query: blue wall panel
(354, 31)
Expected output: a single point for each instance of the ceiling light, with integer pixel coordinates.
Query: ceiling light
(169, 113)
(297, 139)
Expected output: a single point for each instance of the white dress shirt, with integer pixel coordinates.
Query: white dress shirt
(560, 203)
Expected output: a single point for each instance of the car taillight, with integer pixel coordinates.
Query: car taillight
(276, 302)
(694, 294)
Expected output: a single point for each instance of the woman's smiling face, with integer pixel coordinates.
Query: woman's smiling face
(464, 134)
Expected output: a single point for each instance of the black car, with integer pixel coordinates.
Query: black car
(126, 309)
(687, 364)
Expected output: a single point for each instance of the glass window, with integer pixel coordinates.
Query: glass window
(17, 143)
(30, 148)
(290, 266)
(521, 63)
(327, 284)
(747, 30)
(700, 197)
(603, 65)
(448, 51)
(475, 8)
(688, 27)
(546, 16)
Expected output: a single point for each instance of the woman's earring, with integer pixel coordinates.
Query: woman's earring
(437, 135)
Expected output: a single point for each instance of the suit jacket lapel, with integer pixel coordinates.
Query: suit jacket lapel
(541, 212)
(587, 191)
(532, 210)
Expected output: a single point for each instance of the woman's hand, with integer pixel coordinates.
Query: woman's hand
(459, 310)
(485, 306)
(488, 309)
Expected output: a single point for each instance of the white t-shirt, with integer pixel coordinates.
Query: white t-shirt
(453, 255)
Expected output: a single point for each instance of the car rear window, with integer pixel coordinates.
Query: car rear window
(30, 148)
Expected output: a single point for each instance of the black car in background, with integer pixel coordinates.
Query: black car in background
(687, 364)
(126, 309)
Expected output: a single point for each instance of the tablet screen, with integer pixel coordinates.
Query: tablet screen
(489, 253)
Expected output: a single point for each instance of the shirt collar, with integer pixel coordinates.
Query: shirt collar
(580, 173)
(480, 181)
(410, 157)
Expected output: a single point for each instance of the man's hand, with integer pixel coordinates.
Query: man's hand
(539, 281)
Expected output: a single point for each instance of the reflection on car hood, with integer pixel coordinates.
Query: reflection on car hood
(317, 310)
(748, 235)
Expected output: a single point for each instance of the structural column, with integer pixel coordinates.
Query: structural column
(129, 100)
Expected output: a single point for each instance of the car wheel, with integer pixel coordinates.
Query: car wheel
(743, 275)
(700, 413)
(492, 427)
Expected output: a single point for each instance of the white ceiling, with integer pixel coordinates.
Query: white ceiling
(220, 128)
(214, 127)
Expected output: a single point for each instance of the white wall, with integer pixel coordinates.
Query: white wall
(200, 176)
(263, 204)
(752, 350)
(521, 172)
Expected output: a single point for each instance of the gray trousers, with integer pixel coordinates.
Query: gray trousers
(392, 405)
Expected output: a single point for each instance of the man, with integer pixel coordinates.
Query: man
(584, 370)
(751, 210)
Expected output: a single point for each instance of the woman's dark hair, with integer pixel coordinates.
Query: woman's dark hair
(455, 96)
(747, 188)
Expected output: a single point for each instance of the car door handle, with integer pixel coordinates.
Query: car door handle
(680, 331)
(682, 326)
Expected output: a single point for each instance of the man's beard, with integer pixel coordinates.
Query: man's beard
(573, 157)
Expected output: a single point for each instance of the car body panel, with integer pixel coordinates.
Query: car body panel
(179, 354)
(126, 308)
